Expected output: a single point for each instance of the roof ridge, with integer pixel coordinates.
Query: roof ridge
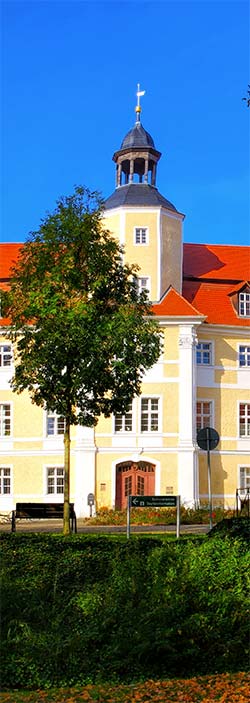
(162, 306)
(207, 244)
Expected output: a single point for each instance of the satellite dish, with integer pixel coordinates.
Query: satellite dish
(208, 438)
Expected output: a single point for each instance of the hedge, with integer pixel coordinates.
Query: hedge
(81, 609)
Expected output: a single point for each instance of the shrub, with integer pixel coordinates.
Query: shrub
(81, 608)
(233, 527)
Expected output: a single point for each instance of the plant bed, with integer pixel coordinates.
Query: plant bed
(223, 688)
(157, 516)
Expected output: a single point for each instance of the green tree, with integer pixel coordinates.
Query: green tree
(247, 98)
(84, 335)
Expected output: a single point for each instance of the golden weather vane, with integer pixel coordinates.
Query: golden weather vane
(139, 94)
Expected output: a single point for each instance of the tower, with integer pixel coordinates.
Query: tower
(146, 223)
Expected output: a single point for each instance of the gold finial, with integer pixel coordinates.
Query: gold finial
(138, 107)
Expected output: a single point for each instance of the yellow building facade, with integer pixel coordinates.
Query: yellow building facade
(201, 299)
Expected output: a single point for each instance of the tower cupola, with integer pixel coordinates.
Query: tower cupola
(136, 160)
(136, 164)
(147, 225)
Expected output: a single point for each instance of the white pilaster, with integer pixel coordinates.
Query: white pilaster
(85, 460)
(187, 463)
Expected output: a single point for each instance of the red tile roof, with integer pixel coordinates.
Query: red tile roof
(215, 301)
(199, 261)
(8, 256)
(216, 261)
(212, 274)
(218, 272)
(174, 304)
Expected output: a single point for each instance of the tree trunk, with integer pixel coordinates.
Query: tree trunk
(66, 510)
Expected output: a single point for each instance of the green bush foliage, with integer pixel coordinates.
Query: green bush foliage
(235, 527)
(83, 609)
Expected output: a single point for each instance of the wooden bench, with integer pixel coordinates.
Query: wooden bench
(41, 511)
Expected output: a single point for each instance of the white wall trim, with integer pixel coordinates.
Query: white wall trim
(129, 209)
(30, 452)
(226, 329)
(219, 495)
(134, 210)
(22, 440)
(228, 452)
(177, 320)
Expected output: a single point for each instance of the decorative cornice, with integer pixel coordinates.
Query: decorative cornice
(187, 341)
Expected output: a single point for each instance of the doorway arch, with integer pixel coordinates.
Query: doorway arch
(133, 478)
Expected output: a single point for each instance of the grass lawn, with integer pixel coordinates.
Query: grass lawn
(223, 688)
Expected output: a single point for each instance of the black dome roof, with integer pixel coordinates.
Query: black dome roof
(137, 137)
(140, 194)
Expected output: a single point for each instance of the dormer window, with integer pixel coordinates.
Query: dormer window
(244, 304)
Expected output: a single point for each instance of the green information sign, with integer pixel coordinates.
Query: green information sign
(153, 501)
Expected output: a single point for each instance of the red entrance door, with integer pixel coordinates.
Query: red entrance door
(133, 479)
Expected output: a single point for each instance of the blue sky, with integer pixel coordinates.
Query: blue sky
(70, 71)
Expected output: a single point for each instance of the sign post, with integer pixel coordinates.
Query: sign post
(154, 502)
(209, 481)
(128, 517)
(207, 439)
(178, 516)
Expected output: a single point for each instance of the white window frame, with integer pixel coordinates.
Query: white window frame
(247, 415)
(204, 351)
(2, 419)
(140, 287)
(2, 478)
(211, 415)
(6, 356)
(244, 356)
(150, 414)
(55, 468)
(143, 232)
(244, 304)
(57, 420)
(245, 468)
(123, 418)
